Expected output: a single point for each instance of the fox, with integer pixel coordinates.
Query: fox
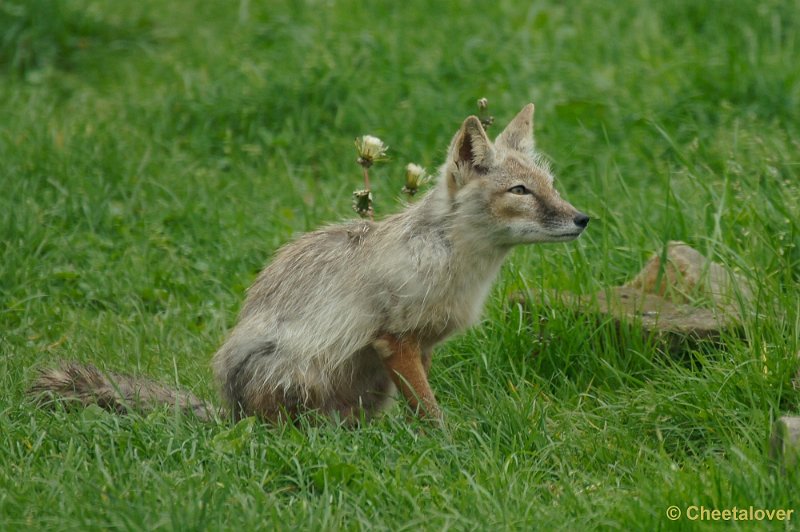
(345, 318)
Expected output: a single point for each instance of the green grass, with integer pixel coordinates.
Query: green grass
(155, 154)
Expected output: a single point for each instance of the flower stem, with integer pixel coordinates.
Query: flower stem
(366, 178)
(371, 212)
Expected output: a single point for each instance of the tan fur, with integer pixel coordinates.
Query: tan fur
(344, 315)
(82, 385)
(327, 310)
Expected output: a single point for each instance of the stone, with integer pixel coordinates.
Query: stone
(689, 277)
(689, 299)
(784, 442)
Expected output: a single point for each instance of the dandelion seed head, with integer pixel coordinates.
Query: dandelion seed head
(415, 177)
(370, 149)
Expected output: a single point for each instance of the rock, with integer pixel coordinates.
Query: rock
(674, 327)
(689, 299)
(689, 277)
(784, 443)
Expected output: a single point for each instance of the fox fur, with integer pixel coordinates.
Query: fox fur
(346, 315)
(84, 385)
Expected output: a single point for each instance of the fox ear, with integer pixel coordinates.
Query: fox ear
(470, 152)
(518, 134)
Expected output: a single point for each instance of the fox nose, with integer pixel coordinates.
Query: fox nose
(581, 220)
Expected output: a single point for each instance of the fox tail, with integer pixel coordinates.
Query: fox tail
(82, 385)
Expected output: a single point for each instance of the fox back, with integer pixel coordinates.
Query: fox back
(319, 321)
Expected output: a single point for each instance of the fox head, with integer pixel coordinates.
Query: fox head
(505, 187)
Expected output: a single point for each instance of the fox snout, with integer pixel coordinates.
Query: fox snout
(567, 228)
(581, 220)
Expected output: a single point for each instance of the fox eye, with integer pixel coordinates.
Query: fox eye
(519, 190)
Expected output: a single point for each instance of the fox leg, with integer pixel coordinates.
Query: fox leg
(408, 367)
(426, 360)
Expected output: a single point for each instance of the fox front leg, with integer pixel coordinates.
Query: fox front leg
(408, 368)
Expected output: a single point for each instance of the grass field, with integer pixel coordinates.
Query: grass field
(154, 154)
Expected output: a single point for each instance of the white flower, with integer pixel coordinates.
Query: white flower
(370, 149)
(372, 146)
(414, 172)
(415, 177)
(483, 113)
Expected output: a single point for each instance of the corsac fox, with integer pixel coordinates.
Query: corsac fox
(344, 316)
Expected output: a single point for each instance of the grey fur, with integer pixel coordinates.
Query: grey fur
(327, 298)
(84, 384)
(320, 320)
